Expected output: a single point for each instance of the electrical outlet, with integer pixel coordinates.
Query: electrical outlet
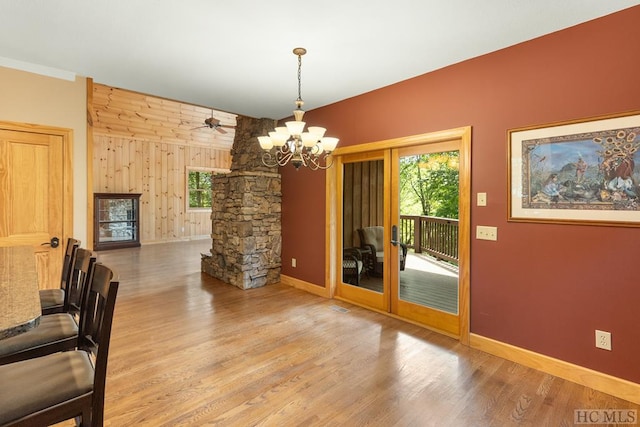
(293, 262)
(481, 199)
(603, 340)
(484, 232)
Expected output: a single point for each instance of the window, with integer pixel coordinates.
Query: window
(199, 186)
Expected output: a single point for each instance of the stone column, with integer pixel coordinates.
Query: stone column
(246, 233)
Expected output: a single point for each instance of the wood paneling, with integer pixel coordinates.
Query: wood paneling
(363, 198)
(157, 171)
(143, 144)
(124, 113)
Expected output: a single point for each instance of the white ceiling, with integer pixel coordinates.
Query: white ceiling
(236, 55)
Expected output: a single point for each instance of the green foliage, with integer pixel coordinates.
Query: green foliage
(429, 184)
(200, 189)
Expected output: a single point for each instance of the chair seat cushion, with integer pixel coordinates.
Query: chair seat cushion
(51, 298)
(52, 328)
(35, 384)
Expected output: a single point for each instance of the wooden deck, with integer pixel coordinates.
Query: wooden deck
(424, 281)
(188, 350)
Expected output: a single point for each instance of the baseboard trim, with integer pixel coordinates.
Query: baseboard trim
(305, 286)
(605, 383)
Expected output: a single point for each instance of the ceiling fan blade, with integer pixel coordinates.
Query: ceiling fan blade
(219, 129)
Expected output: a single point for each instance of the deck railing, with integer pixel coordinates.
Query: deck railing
(427, 234)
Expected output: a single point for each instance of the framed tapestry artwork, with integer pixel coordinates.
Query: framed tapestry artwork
(580, 172)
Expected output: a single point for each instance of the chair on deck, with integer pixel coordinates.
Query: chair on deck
(55, 300)
(58, 331)
(61, 386)
(372, 241)
(352, 266)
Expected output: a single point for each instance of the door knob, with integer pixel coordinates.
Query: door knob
(54, 243)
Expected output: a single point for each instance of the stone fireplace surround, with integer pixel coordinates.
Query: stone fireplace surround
(246, 227)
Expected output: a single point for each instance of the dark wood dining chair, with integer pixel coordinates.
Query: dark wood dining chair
(66, 385)
(78, 279)
(54, 300)
(57, 331)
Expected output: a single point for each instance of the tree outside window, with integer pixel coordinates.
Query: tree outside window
(199, 184)
(429, 184)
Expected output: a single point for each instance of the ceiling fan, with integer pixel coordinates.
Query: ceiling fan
(213, 123)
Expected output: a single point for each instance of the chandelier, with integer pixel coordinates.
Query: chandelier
(291, 143)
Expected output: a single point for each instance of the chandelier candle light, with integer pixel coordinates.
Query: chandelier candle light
(291, 143)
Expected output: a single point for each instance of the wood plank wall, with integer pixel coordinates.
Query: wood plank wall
(144, 144)
(363, 194)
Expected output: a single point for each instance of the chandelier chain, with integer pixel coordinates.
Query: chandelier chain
(299, 78)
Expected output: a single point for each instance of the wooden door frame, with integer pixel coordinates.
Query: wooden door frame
(67, 168)
(333, 255)
(90, 207)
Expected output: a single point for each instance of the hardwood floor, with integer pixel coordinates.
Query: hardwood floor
(189, 350)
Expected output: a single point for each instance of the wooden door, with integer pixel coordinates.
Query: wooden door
(34, 167)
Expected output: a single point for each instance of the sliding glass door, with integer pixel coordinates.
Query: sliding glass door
(400, 212)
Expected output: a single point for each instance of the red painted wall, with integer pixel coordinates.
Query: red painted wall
(541, 287)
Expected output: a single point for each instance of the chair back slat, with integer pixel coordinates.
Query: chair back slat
(67, 267)
(97, 313)
(79, 280)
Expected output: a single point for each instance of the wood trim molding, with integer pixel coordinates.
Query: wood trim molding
(464, 249)
(90, 119)
(331, 248)
(305, 286)
(405, 141)
(605, 383)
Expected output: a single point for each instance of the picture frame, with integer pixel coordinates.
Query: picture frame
(579, 172)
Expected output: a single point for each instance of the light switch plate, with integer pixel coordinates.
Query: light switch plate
(484, 232)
